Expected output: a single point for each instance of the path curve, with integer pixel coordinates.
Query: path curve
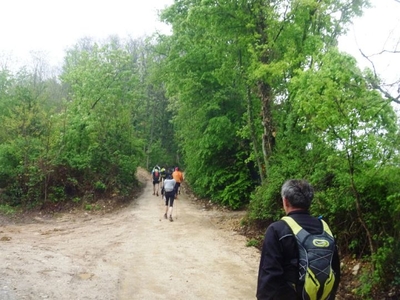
(131, 254)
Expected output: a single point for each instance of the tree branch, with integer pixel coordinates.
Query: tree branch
(378, 87)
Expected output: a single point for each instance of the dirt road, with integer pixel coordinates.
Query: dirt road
(129, 254)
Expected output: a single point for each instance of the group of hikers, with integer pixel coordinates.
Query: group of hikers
(170, 180)
(299, 258)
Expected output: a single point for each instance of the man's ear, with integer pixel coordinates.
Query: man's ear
(286, 203)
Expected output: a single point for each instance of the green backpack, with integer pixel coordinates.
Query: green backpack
(315, 260)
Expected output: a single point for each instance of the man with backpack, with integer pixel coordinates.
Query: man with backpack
(163, 173)
(155, 175)
(169, 190)
(299, 258)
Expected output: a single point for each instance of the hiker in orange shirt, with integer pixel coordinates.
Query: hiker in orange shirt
(178, 176)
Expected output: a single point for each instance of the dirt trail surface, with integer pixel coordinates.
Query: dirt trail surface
(130, 254)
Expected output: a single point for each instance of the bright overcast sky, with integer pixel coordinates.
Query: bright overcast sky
(377, 30)
(53, 25)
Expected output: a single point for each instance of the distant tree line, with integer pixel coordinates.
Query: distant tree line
(83, 133)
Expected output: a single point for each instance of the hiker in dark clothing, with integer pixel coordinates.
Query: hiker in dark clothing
(278, 276)
(155, 176)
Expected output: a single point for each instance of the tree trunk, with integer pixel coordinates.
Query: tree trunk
(254, 137)
(268, 137)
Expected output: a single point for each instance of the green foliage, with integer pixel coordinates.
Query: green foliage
(99, 143)
(333, 130)
(99, 186)
(387, 267)
(53, 149)
(212, 168)
(240, 93)
(208, 90)
(384, 271)
(24, 137)
(56, 194)
(266, 202)
(91, 207)
(7, 209)
(366, 287)
(157, 154)
(253, 243)
(357, 126)
(9, 161)
(154, 113)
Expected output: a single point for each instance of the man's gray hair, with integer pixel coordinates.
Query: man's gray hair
(299, 193)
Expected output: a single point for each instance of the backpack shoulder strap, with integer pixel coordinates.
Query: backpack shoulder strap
(326, 228)
(296, 228)
(299, 232)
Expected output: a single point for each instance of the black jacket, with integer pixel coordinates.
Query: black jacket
(278, 271)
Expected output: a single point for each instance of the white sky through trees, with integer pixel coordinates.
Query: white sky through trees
(377, 35)
(51, 26)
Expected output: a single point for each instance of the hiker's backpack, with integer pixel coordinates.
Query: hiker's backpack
(163, 173)
(315, 260)
(156, 174)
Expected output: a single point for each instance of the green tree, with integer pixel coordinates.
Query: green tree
(286, 36)
(153, 117)
(99, 140)
(359, 128)
(27, 129)
(208, 90)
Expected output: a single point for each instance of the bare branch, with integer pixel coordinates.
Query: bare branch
(370, 61)
(378, 87)
(386, 94)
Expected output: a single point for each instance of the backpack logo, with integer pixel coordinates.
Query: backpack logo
(321, 243)
(316, 276)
